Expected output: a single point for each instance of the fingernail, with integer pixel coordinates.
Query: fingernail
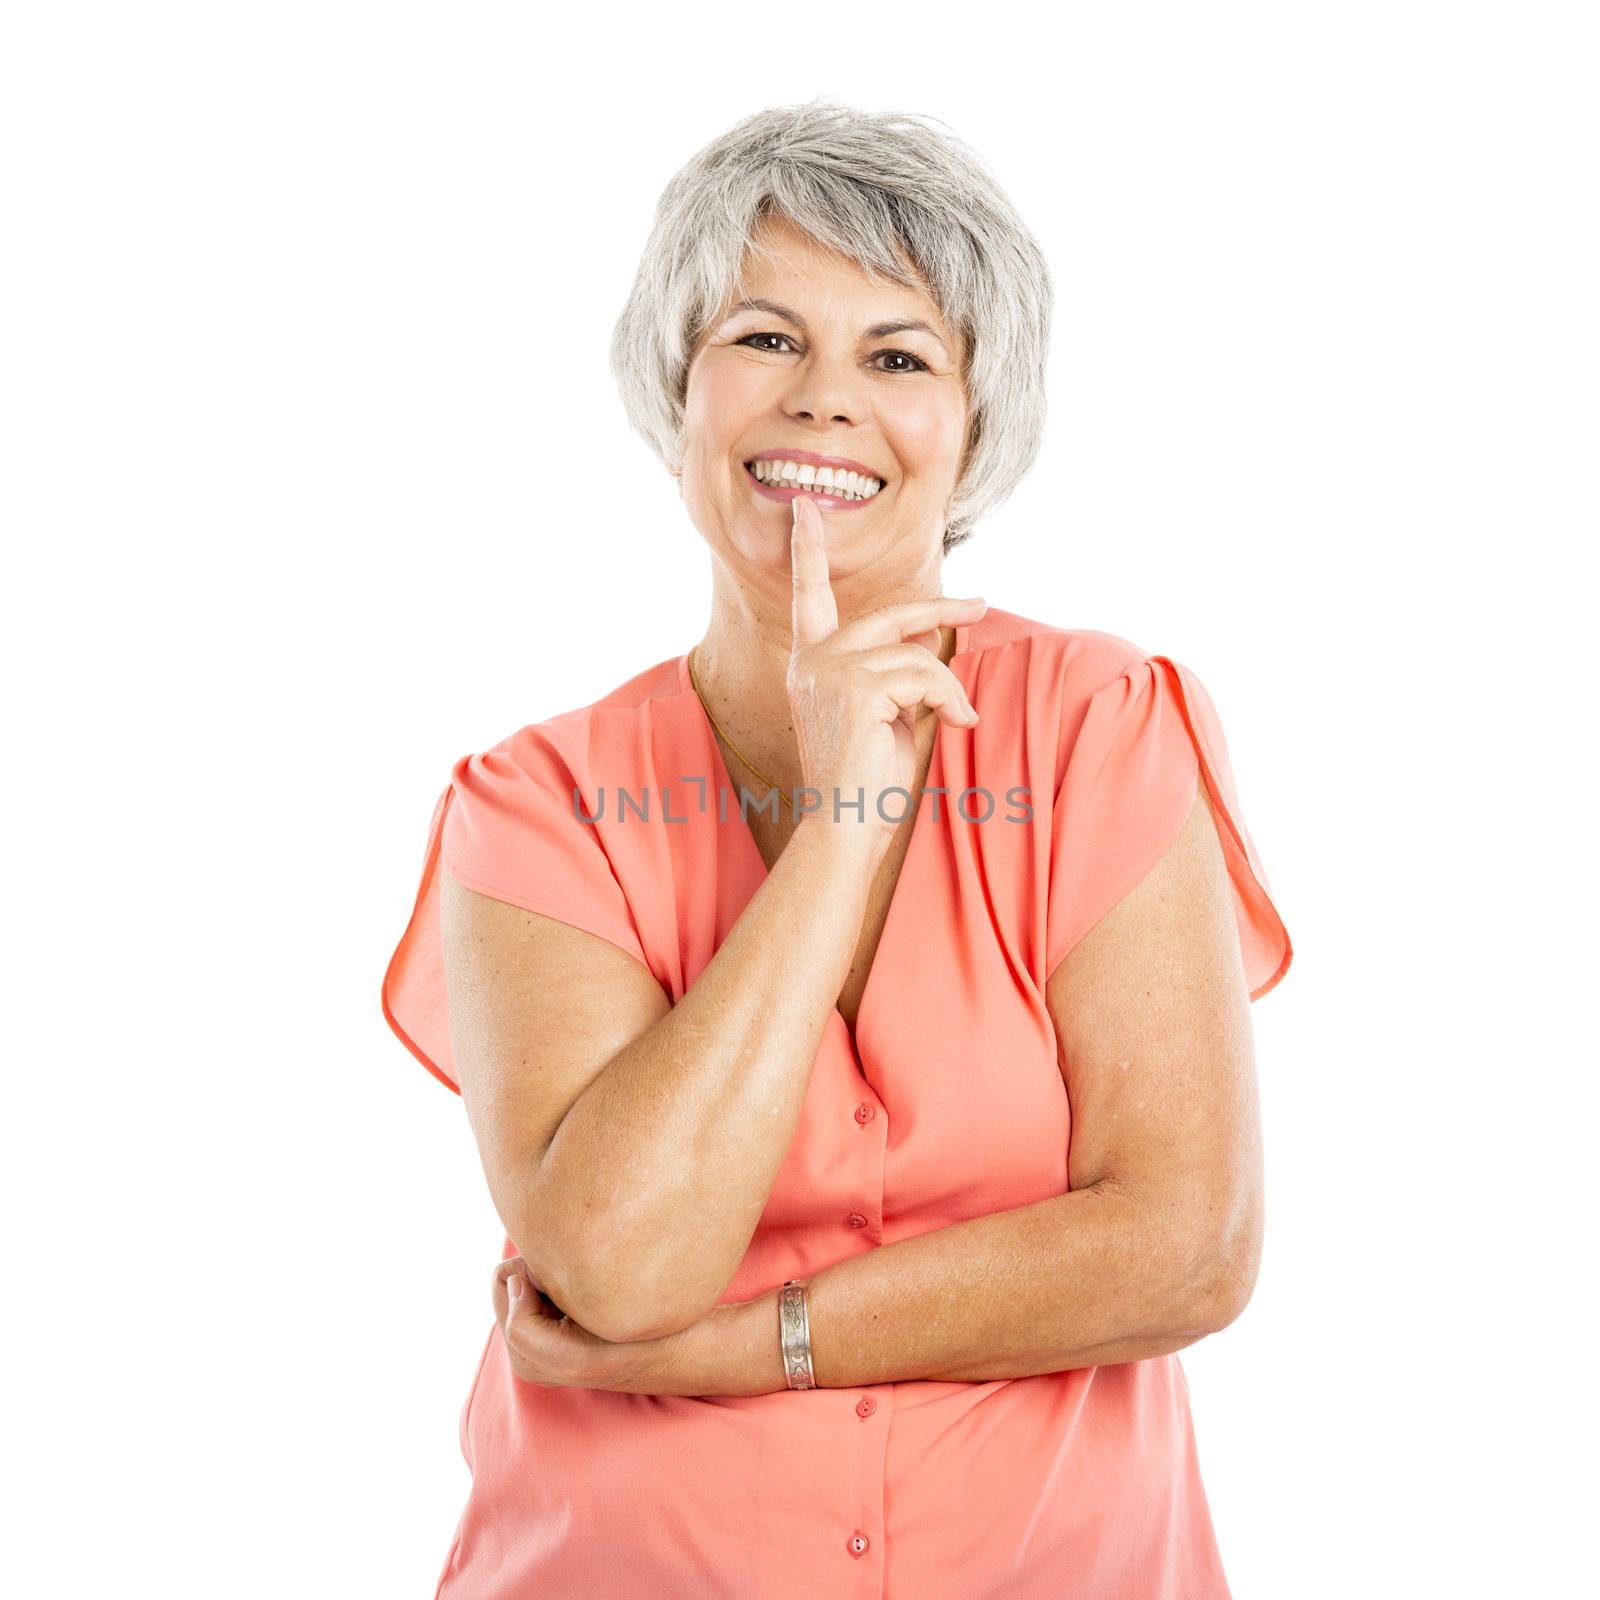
(514, 1287)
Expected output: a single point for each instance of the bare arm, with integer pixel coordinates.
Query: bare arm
(1157, 1243)
(631, 1145)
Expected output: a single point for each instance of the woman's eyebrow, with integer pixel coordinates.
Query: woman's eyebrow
(878, 330)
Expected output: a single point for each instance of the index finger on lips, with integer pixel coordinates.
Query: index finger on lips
(815, 613)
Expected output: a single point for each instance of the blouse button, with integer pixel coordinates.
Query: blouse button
(865, 1112)
(858, 1544)
(866, 1405)
(856, 1220)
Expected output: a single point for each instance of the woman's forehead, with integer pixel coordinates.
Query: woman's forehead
(784, 252)
(807, 283)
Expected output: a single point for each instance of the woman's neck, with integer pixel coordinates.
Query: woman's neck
(741, 667)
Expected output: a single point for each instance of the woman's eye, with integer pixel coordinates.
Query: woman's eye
(918, 364)
(905, 355)
(749, 336)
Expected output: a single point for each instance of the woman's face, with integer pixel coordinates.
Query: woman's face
(811, 378)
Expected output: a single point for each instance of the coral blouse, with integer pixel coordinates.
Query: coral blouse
(948, 1104)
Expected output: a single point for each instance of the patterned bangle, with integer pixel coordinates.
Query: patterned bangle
(794, 1332)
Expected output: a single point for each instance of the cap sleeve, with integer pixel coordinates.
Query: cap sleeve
(504, 828)
(1147, 740)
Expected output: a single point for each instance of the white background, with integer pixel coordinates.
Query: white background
(315, 480)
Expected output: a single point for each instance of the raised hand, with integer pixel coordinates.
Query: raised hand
(857, 691)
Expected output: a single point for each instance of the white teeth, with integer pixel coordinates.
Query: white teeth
(837, 481)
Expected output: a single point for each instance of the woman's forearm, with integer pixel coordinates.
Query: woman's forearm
(1088, 1278)
(663, 1166)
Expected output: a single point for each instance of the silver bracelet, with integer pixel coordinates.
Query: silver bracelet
(794, 1331)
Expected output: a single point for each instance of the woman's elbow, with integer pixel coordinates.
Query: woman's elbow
(566, 1277)
(639, 1320)
(1227, 1287)
(619, 1312)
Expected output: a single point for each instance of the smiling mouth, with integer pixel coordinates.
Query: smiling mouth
(850, 488)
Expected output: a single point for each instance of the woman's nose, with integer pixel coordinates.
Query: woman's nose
(826, 388)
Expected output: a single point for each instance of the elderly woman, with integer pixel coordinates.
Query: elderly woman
(852, 1012)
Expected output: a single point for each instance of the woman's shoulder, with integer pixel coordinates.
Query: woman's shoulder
(1071, 660)
(573, 738)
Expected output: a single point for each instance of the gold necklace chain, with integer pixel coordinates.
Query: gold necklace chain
(729, 742)
(694, 679)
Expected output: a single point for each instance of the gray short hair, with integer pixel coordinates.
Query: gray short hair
(879, 188)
